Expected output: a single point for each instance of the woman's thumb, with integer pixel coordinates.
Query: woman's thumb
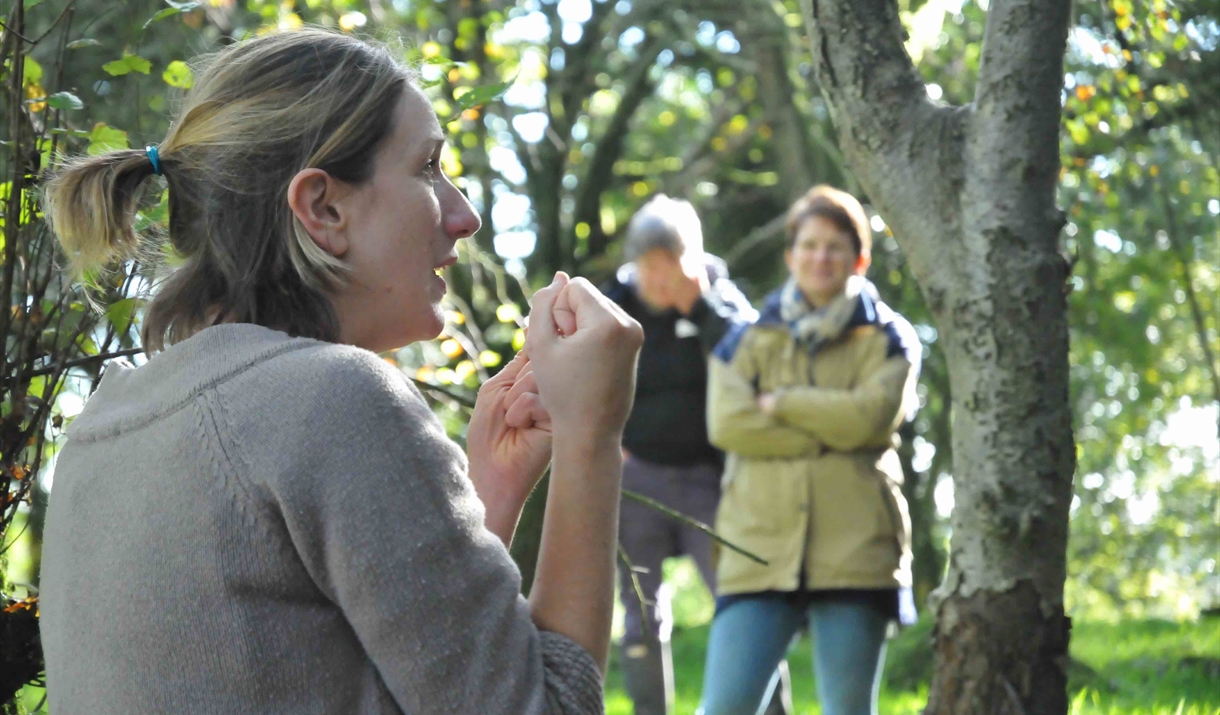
(542, 327)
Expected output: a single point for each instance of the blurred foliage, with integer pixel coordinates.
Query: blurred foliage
(565, 116)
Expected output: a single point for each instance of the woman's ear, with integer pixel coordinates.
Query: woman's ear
(313, 196)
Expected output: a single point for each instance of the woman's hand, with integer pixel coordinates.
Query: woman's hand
(766, 402)
(585, 348)
(508, 444)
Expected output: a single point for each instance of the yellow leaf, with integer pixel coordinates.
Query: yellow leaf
(463, 370)
(508, 313)
(451, 348)
(33, 90)
(349, 21)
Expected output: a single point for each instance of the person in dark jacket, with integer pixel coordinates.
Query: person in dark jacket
(685, 302)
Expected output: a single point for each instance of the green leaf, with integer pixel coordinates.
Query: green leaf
(161, 15)
(130, 63)
(121, 313)
(83, 42)
(104, 138)
(178, 74)
(33, 71)
(65, 100)
(173, 9)
(484, 95)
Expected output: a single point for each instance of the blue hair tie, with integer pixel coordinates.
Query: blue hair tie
(151, 151)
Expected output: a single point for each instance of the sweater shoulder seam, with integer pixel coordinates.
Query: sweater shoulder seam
(114, 429)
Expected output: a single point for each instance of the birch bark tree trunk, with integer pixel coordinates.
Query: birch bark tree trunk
(970, 194)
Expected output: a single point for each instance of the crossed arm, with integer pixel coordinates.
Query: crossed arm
(797, 420)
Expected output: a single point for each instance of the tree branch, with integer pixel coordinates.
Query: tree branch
(69, 364)
(1018, 95)
(1196, 311)
(610, 146)
(766, 233)
(892, 136)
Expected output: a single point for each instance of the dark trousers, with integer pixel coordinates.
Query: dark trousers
(649, 537)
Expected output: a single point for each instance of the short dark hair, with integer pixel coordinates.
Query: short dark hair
(839, 207)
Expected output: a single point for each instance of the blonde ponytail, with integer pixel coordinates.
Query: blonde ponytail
(90, 204)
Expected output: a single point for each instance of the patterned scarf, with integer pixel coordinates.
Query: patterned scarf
(812, 328)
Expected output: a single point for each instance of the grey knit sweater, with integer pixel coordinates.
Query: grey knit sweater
(251, 523)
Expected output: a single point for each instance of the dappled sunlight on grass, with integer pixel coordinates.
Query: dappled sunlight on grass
(1128, 668)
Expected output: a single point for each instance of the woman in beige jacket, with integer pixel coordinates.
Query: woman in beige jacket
(806, 403)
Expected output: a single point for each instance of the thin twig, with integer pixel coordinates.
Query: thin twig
(1012, 694)
(635, 583)
(1186, 259)
(62, 13)
(464, 400)
(10, 30)
(679, 516)
(84, 361)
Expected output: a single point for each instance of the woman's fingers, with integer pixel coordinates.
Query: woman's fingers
(527, 411)
(507, 377)
(589, 308)
(563, 314)
(543, 330)
(523, 384)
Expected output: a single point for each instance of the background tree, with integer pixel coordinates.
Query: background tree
(970, 192)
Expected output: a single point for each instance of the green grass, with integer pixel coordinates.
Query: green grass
(1128, 668)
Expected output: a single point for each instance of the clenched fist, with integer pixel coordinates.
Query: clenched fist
(583, 349)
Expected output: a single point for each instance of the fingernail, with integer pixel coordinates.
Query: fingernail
(555, 280)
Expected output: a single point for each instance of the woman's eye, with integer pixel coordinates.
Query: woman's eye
(432, 166)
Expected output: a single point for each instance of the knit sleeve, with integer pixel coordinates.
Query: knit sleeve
(379, 509)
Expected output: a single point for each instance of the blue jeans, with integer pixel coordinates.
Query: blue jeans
(751, 635)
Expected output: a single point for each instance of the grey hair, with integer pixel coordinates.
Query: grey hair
(665, 223)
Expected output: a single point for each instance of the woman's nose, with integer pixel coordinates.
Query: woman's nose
(459, 217)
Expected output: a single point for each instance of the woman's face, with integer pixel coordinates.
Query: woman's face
(821, 260)
(403, 224)
(657, 272)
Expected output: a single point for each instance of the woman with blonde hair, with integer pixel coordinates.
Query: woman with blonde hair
(266, 517)
(806, 403)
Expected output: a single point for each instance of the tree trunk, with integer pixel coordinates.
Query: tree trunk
(970, 193)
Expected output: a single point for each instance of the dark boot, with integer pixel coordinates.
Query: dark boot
(648, 677)
(781, 695)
